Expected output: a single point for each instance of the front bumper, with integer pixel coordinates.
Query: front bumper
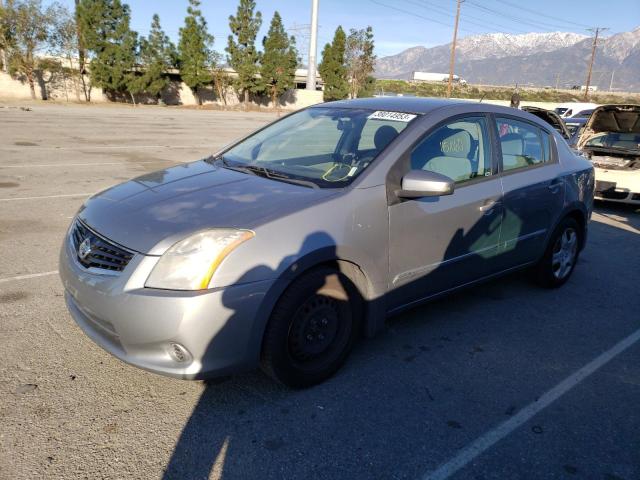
(220, 328)
(623, 186)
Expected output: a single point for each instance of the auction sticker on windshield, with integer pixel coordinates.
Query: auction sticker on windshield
(396, 116)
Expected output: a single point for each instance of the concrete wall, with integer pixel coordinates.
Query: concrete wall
(63, 88)
(57, 87)
(48, 86)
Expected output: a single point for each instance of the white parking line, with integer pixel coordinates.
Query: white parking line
(486, 441)
(41, 165)
(26, 277)
(45, 196)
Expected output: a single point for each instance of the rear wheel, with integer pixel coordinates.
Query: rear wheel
(561, 256)
(311, 329)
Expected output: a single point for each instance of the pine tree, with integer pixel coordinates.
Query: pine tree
(360, 59)
(279, 60)
(332, 68)
(157, 56)
(194, 49)
(242, 54)
(104, 29)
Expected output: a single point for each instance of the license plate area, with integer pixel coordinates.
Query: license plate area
(605, 187)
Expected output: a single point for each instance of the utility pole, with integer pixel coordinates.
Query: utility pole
(597, 31)
(452, 62)
(313, 47)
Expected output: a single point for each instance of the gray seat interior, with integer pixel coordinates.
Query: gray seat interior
(513, 155)
(447, 154)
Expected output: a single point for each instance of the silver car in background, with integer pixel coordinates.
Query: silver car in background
(284, 248)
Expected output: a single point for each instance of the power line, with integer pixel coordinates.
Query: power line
(302, 34)
(535, 12)
(533, 23)
(483, 23)
(412, 14)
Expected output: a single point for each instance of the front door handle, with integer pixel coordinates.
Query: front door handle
(488, 207)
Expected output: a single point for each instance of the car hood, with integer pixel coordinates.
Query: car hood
(150, 213)
(611, 119)
(551, 117)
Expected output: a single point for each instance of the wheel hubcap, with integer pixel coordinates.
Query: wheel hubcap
(314, 328)
(564, 253)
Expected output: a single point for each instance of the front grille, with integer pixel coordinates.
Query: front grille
(102, 254)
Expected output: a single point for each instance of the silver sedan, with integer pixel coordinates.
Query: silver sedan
(285, 247)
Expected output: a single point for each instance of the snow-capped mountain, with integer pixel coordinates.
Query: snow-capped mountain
(498, 45)
(531, 58)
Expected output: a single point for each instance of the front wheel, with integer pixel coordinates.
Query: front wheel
(561, 256)
(311, 329)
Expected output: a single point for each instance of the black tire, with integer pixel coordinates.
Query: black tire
(311, 329)
(561, 255)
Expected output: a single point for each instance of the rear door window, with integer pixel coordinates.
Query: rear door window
(523, 145)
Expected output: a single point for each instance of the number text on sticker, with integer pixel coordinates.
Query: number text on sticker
(395, 116)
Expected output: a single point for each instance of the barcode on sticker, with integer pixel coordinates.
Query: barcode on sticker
(394, 116)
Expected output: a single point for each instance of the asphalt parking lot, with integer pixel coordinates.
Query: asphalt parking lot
(502, 381)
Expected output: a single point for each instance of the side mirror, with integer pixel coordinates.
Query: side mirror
(423, 183)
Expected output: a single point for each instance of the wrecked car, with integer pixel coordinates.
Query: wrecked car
(611, 140)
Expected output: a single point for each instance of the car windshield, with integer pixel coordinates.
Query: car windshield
(320, 146)
(573, 127)
(583, 114)
(621, 141)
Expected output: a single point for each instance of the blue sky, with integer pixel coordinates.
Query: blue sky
(400, 24)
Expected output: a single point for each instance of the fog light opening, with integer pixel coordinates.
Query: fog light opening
(178, 353)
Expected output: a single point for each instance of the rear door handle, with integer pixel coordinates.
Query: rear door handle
(555, 185)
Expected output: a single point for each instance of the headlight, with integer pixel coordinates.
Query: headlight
(190, 263)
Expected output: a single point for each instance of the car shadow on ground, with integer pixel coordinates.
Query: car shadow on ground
(404, 399)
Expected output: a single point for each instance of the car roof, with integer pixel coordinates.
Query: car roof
(418, 105)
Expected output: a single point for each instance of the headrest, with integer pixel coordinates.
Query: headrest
(512, 144)
(456, 145)
(383, 137)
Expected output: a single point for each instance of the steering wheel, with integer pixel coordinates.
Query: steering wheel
(338, 172)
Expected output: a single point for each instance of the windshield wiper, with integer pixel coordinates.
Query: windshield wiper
(273, 175)
(266, 173)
